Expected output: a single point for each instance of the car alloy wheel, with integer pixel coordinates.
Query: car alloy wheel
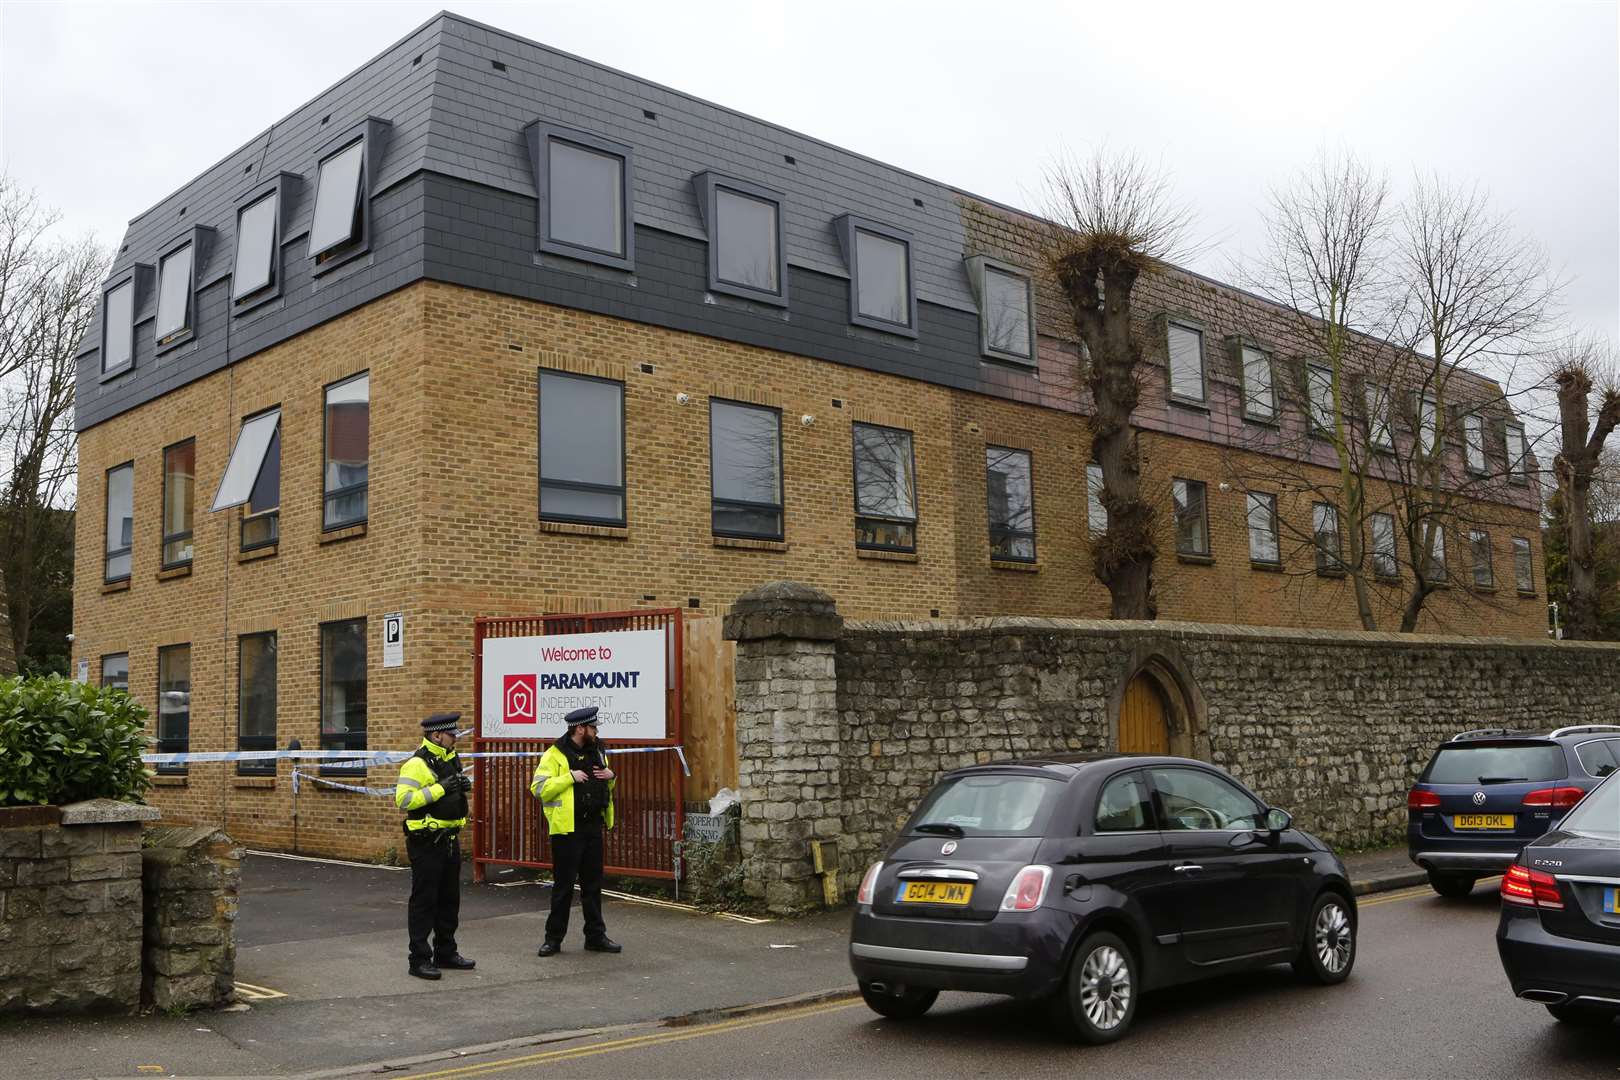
(1105, 987)
(1334, 938)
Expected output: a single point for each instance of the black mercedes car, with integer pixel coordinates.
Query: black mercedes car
(1085, 881)
(1559, 934)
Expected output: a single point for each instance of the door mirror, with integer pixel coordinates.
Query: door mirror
(1278, 819)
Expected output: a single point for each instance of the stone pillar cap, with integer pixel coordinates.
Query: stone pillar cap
(784, 609)
(107, 812)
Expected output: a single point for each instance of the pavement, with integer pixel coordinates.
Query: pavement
(321, 970)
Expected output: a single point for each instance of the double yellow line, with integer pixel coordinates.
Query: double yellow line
(657, 1038)
(1413, 894)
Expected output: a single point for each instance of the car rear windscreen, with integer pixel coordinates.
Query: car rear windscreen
(1597, 815)
(1465, 764)
(1000, 804)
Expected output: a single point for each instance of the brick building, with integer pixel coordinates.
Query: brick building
(488, 329)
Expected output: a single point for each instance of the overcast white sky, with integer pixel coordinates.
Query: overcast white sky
(107, 108)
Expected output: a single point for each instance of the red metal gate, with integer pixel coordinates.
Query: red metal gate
(508, 829)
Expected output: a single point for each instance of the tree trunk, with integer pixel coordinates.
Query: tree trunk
(1577, 459)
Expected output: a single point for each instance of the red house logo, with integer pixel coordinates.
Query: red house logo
(519, 695)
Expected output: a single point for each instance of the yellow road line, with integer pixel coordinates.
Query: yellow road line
(257, 993)
(637, 1042)
(1412, 894)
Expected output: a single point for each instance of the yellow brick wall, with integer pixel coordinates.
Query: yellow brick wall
(453, 530)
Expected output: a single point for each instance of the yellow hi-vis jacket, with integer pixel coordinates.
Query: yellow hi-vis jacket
(553, 785)
(419, 791)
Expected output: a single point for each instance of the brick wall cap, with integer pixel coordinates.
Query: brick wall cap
(182, 836)
(107, 812)
(783, 609)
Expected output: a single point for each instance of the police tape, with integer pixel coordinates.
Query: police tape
(373, 757)
(297, 776)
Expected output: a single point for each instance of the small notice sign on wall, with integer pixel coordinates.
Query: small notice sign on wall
(394, 640)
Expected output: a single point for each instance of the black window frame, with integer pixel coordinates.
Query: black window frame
(284, 187)
(1474, 565)
(188, 331)
(1477, 422)
(1151, 807)
(329, 741)
(103, 670)
(1529, 565)
(781, 480)
(887, 519)
(709, 185)
(1006, 532)
(847, 226)
(1276, 527)
(171, 744)
(540, 134)
(1435, 570)
(1203, 511)
(1376, 401)
(1518, 472)
(371, 133)
(165, 538)
(272, 514)
(1197, 329)
(364, 485)
(1328, 563)
(1241, 346)
(129, 279)
(1437, 447)
(980, 268)
(622, 490)
(257, 742)
(106, 514)
(1312, 426)
(1394, 554)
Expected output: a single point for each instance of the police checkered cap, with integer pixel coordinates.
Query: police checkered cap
(440, 721)
(586, 715)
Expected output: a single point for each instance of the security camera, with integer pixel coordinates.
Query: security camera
(682, 398)
(807, 419)
(70, 637)
(1224, 486)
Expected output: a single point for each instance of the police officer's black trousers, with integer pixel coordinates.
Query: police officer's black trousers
(577, 856)
(435, 893)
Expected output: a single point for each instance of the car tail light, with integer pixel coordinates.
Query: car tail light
(1418, 799)
(1531, 888)
(1028, 889)
(1558, 798)
(868, 884)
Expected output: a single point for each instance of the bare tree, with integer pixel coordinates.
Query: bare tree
(51, 292)
(1587, 378)
(1113, 220)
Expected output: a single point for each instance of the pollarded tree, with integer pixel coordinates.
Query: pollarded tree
(1113, 221)
(1587, 379)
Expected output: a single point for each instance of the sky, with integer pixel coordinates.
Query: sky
(109, 107)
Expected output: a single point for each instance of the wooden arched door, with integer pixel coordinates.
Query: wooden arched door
(1144, 718)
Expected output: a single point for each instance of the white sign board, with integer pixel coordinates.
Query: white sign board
(394, 640)
(531, 683)
(84, 671)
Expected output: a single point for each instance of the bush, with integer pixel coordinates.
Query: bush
(64, 741)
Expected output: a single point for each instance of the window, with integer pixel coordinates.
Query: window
(1518, 456)
(253, 476)
(1533, 763)
(1434, 563)
(1259, 398)
(585, 186)
(1319, 400)
(1012, 503)
(581, 449)
(115, 671)
(885, 489)
(995, 804)
(1474, 442)
(256, 700)
(1096, 512)
(339, 200)
(1005, 314)
(1378, 430)
(1125, 805)
(174, 295)
(1428, 417)
(1263, 546)
(174, 703)
(343, 689)
(1384, 562)
(120, 521)
(1600, 757)
(1479, 549)
(746, 231)
(118, 328)
(1192, 521)
(348, 450)
(179, 477)
(1191, 799)
(1325, 531)
(881, 295)
(256, 246)
(1523, 577)
(1186, 362)
(745, 470)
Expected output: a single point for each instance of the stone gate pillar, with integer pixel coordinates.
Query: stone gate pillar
(788, 767)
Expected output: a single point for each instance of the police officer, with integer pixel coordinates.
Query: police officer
(575, 787)
(433, 793)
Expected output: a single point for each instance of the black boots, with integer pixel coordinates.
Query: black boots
(425, 970)
(603, 944)
(456, 962)
(549, 948)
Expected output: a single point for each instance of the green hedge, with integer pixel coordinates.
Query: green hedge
(63, 741)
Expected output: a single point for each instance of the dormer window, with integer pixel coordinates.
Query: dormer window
(882, 295)
(174, 295)
(118, 327)
(255, 247)
(1006, 310)
(745, 238)
(338, 199)
(584, 184)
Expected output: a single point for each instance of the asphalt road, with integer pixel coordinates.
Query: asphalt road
(1427, 999)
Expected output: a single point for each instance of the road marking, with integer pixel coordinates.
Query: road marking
(640, 1041)
(327, 862)
(257, 993)
(649, 901)
(1414, 893)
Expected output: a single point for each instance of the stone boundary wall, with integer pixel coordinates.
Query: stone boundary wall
(1333, 726)
(192, 875)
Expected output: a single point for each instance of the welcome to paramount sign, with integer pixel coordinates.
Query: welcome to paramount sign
(531, 683)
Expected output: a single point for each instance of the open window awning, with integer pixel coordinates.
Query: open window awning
(246, 460)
